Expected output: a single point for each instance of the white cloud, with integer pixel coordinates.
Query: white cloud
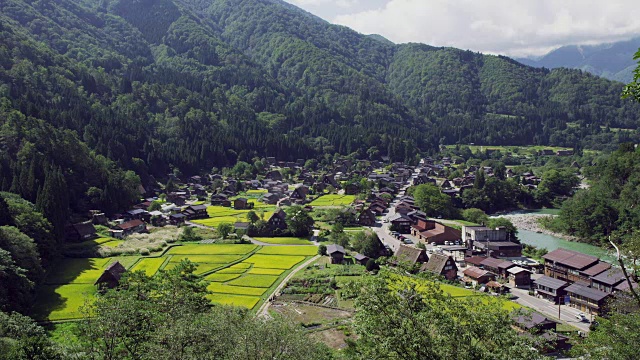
(339, 3)
(512, 27)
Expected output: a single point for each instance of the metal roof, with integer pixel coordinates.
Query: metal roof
(586, 292)
(610, 277)
(551, 282)
(571, 258)
(597, 269)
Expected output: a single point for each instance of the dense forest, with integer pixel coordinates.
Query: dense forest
(609, 207)
(100, 97)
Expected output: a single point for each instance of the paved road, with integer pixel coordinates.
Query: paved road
(263, 311)
(567, 314)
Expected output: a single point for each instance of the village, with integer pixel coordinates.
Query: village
(564, 287)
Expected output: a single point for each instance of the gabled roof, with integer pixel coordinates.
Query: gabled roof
(360, 257)
(529, 321)
(112, 272)
(597, 269)
(436, 263)
(587, 292)
(409, 254)
(334, 248)
(550, 282)
(475, 272)
(130, 224)
(610, 277)
(475, 260)
(570, 258)
(517, 270)
(198, 207)
(84, 228)
(399, 217)
(497, 263)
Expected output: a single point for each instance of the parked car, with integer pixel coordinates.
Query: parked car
(582, 317)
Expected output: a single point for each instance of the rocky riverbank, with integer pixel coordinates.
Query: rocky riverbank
(531, 222)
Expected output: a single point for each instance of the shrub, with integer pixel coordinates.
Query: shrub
(322, 250)
(144, 251)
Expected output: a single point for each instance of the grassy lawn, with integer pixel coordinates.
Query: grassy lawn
(150, 266)
(289, 250)
(212, 249)
(62, 302)
(285, 241)
(274, 262)
(248, 302)
(333, 200)
(258, 281)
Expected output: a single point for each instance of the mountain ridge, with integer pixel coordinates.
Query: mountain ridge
(613, 61)
(192, 84)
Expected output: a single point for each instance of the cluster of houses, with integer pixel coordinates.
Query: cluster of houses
(582, 281)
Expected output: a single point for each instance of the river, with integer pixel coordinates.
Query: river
(548, 241)
(551, 243)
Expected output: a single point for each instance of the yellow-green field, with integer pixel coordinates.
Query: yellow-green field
(289, 250)
(274, 261)
(219, 214)
(150, 266)
(240, 275)
(212, 249)
(284, 240)
(333, 200)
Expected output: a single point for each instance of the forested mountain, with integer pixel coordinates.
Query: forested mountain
(94, 90)
(612, 61)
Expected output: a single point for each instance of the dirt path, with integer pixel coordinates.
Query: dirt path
(263, 311)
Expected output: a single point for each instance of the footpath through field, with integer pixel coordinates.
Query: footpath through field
(263, 311)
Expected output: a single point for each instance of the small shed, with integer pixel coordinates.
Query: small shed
(110, 278)
(361, 259)
(336, 252)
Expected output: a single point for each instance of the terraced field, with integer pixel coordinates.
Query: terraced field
(240, 275)
(284, 240)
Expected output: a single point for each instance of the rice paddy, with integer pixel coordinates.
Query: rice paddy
(333, 200)
(240, 275)
(284, 240)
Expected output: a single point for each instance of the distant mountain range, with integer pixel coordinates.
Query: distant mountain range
(612, 61)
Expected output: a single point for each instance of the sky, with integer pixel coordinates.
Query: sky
(516, 28)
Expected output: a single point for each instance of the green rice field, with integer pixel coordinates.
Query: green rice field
(333, 200)
(212, 249)
(240, 275)
(235, 300)
(261, 271)
(285, 241)
(238, 290)
(274, 262)
(257, 281)
(289, 250)
(206, 259)
(150, 266)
